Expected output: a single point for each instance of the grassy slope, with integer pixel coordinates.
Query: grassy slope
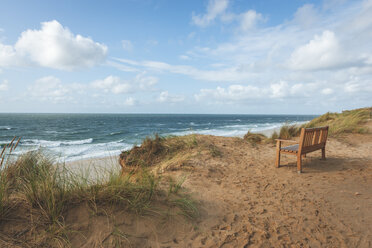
(37, 195)
(350, 121)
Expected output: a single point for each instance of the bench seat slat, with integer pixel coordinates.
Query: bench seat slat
(292, 148)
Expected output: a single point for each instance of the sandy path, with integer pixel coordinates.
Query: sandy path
(248, 202)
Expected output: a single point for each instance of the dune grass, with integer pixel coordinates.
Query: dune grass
(155, 149)
(254, 138)
(349, 121)
(47, 190)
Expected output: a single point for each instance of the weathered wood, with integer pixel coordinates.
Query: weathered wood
(311, 139)
(299, 164)
(278, 146)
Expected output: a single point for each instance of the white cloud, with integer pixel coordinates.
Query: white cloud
(145, 82)
(8, 56)
(322, 52)
(53, 46)
(112, 84)
(116, 85)
(214, 9)
(279, 90)
(49, 89)
(276, 91)
(166, 97)
(127, 45)
(233, 93)
(327, 91)
(249, 19)
(227, 74)
(306, 15)
(4, 85)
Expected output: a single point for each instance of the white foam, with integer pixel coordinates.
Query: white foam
(49, 143)
(237, 130)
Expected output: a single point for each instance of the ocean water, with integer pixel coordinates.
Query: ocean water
(79, 136)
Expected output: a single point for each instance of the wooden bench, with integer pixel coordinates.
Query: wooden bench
(311, 139)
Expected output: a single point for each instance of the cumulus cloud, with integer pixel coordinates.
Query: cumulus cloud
(249, 19)
(215, 8)
(49, 89)
(279, 90)
(8, 56)
(166, 97)
(53, 46)
(116, 85)
(112, 84)
(322, 52)
(233, 93)
(4, 85)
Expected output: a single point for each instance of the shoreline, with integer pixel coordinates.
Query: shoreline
(113, 157)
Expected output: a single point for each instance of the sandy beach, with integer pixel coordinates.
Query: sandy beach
(246, 202)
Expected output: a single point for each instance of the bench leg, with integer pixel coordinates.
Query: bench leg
(299, 163)
(323, 153)
(277, 161)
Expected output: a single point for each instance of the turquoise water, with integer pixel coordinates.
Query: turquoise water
(79, 136)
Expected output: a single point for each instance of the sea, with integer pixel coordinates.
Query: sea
(72, 137)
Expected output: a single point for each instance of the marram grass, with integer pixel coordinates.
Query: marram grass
(48, 190)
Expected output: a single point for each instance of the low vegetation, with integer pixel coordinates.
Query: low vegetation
(154, 150)
(36, 196)
(349, 121)
(254, 138)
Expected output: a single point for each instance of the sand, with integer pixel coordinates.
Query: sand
(246, 202)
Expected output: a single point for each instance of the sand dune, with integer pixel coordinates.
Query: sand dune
(246, 202)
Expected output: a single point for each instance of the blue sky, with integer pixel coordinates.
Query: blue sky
(213, 56)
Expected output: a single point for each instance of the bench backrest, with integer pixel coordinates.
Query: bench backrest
(312, 139)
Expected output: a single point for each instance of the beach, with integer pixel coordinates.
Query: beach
(246, 202)
(199, 191)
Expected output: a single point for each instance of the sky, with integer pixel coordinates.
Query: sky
(195, 56)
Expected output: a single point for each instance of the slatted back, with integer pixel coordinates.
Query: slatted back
(313, 137)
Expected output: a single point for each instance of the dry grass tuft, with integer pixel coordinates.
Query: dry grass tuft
(288, 132)
(154, 150)
(254, 138)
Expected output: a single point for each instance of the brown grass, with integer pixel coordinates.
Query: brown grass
(154, 150)
(254, 138)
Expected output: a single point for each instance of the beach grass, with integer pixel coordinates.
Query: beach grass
(349, 121)
(47, 191)
(155, 149)
(254, 138)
